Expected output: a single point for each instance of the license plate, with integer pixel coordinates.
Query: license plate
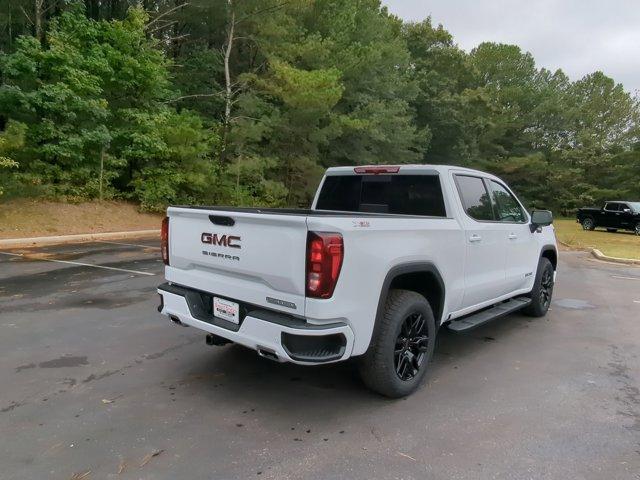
(226, 310)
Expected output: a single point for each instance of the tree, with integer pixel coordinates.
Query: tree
(326, 84)
(446, 105)
(93, 100)
(11, 140)
(257, 97)
(56, 92)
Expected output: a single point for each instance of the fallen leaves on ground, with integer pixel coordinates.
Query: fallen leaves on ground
(80, 476)
(407, 456)
(147, 458)
(106, 401)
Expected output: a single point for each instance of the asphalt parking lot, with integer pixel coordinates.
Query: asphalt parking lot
(95, 384)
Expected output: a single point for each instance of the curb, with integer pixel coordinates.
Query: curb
(600, 256)
(83, 237)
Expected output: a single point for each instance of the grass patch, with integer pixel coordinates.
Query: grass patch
(620, 244)
(20, 218)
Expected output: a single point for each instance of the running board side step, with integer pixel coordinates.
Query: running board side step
(485, 316)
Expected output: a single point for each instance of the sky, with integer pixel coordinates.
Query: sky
(578, 36)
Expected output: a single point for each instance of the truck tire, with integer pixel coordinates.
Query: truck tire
(588, 224)
(542, 290)
(637, 229)
(402, 346)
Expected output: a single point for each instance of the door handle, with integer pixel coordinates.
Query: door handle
(512, 236)
(475, 238)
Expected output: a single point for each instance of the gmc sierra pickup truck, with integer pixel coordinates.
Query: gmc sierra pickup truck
(385, 257)
(613, 216)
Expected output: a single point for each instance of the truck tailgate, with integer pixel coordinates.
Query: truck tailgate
(258, 260)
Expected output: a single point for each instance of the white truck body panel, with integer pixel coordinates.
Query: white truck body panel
(271, 257)
(480, 263)
(254, 333)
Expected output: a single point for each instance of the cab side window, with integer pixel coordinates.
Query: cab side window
(475, 197)
(507, 207)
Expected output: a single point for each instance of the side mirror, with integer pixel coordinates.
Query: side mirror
(627, 210)
(540, 218)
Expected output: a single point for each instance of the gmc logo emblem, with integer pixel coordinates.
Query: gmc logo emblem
(230, 241)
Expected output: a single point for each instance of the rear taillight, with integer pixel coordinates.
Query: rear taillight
(325, 252)
(164, 240)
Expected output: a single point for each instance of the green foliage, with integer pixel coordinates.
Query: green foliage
(93, 102)
(444, 106)
(11, 141)
(171, 151)
(313, 92)
(251, 187)
(111, 101)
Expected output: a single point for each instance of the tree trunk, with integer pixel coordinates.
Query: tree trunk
(9, 25)
(101, 171)
(228, 98)
(238, 184)
(227, 72)
(38, 18)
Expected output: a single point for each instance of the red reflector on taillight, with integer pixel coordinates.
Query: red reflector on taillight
(164, 240)
(325, 252)
(376, 170)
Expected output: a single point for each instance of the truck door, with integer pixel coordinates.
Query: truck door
(485, 240)
(610, 216)
(625, 216)
(522, 249)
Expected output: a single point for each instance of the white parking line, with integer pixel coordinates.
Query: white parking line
(636, 301)
(621, 277)
(127, 244)
(138, 272)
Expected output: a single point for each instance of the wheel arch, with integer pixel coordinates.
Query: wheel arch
(420, 277)
(550, 252)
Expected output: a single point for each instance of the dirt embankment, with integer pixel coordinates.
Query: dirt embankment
(36, 218)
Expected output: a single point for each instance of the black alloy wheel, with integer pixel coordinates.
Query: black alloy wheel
(542, 291)
(402, 344)
(546, 288)
(588, 224)
(412, 344)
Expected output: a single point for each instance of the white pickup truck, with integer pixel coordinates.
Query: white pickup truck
(385, 257)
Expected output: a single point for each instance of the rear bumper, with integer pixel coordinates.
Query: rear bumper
(273, 335)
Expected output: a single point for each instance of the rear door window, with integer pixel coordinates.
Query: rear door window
(396, 194)
(475, 198)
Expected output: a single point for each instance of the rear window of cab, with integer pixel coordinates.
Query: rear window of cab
(394, 194)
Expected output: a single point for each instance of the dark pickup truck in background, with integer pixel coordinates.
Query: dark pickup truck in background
(613, 216)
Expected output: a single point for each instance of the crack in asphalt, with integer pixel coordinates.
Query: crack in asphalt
(67, 361)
